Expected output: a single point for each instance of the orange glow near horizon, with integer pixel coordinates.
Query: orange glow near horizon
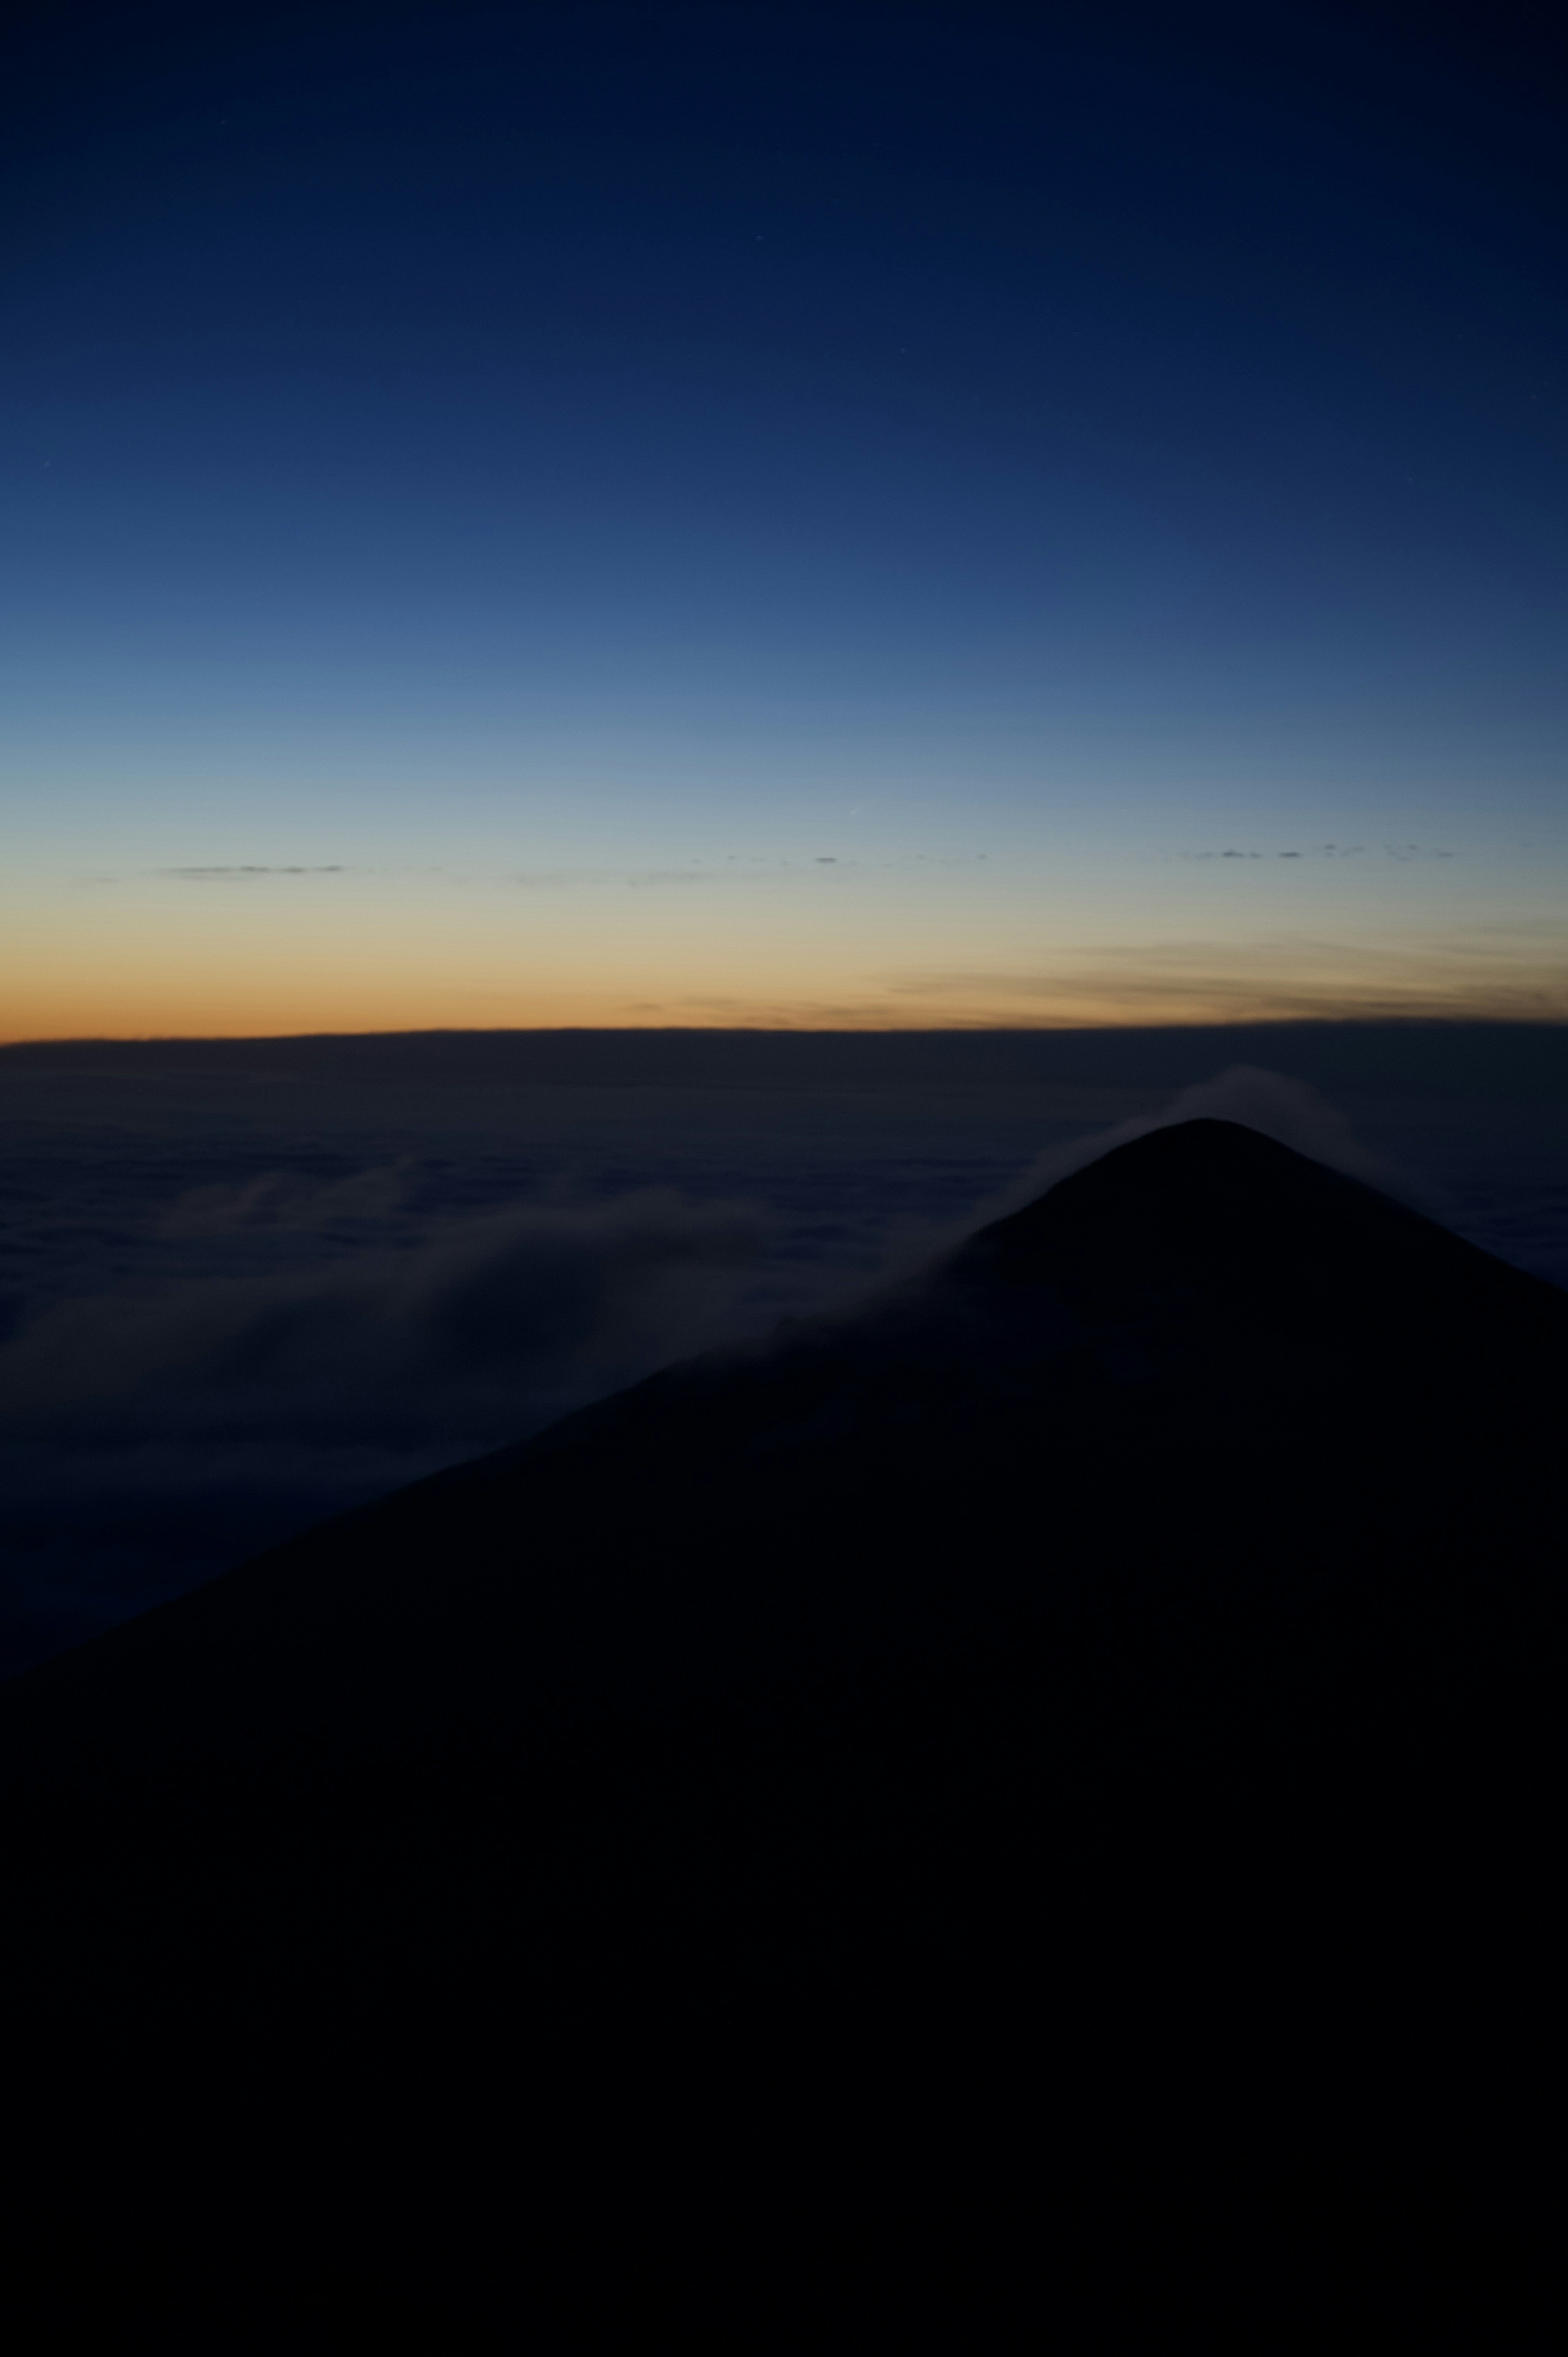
(241, 953)
(189, 997)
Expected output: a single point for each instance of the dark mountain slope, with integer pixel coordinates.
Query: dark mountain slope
(1042, 1765)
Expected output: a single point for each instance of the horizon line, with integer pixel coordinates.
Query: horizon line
(1314, 1022)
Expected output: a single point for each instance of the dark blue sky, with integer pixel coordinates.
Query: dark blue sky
(929, 483)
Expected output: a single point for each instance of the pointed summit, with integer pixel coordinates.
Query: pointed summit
(1207, 1196)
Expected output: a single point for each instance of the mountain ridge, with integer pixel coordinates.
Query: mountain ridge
(1171, 1576)
(1112, 1281)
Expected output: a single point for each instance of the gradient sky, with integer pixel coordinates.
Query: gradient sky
(898, 515)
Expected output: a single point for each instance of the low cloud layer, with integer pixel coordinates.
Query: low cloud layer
(490, 1322)
(155, 1431)
(232, 1301)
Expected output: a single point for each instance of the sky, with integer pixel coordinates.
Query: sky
(860, 516)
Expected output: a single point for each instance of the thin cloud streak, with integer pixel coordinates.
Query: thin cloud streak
(243, 874)
(1502, 977)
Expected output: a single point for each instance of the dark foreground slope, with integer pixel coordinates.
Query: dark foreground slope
(1036, 1794)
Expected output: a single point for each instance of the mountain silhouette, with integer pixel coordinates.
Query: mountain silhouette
(1030, 1793)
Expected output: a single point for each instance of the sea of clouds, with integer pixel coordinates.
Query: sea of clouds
(227, 1308)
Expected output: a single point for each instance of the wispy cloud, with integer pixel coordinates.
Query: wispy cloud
(234, 872)
(1281, 1108)
(1267, 980)
(1325, 851)
(735, 868)
(244, 873)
